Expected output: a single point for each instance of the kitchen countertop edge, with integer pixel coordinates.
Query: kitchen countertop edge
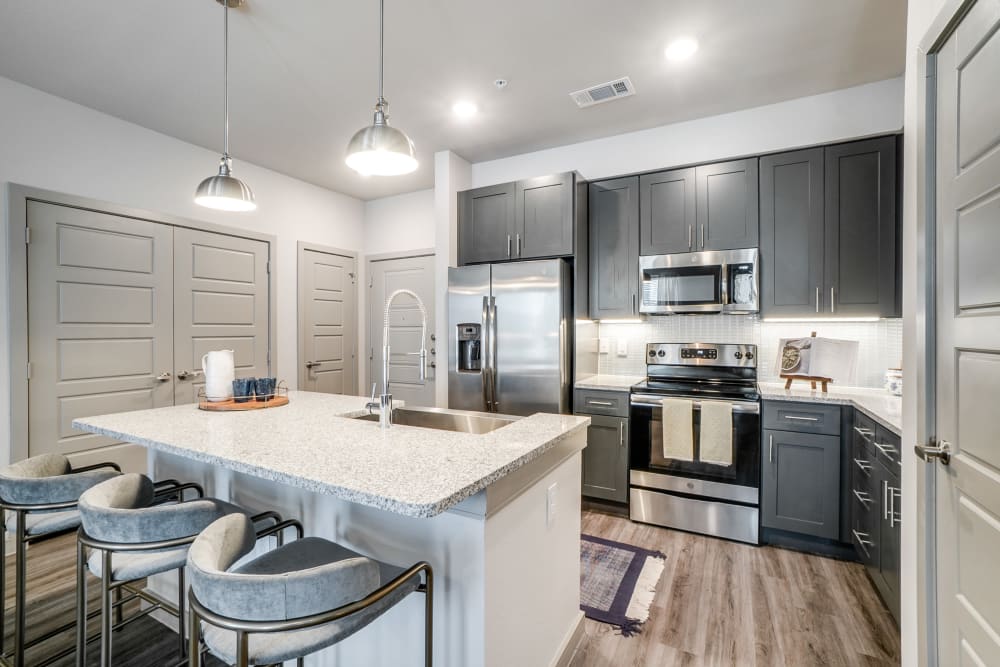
(877, 404)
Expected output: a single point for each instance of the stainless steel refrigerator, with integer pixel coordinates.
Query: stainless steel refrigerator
(509, 345)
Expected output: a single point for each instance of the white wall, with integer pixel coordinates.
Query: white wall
(920, 14)
(50, 143)
(401, 223)
(874, 108)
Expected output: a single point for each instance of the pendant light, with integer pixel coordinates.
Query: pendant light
(380, 150)
(224, 191)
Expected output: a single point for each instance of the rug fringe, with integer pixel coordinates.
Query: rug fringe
(630, 627)
(645, 589)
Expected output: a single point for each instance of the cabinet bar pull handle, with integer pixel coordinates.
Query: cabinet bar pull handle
(893, 521)
(508, 250)
(621, 434)
(703, 237)
(770, 449)
(861, 540)
(833, 307)
(802, 419)
(633, 304)
(591, 401)
(885, 500)
(518, 244)
(690, 235)
(887, 450)
(863, 432)
(863, 497)
(864, 465)
(817, 294)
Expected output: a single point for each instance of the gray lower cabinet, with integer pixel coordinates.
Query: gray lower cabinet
(667, 212)
(486, 224)
(605, 459)
(614, 248)
(800, 483)
(829, 232)
(727, 210)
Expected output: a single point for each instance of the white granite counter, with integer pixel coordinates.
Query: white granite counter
(878, 404)
(313, 444)
(609, 382)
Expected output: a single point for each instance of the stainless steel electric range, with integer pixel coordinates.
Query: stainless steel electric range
(697, 496)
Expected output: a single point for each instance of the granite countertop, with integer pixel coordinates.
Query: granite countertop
(878, 404)
(609, 382)
(313, 444)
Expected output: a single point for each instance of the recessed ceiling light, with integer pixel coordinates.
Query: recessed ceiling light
(464, 109)
(681, 49)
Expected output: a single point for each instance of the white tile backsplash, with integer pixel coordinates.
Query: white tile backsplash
(880, 344)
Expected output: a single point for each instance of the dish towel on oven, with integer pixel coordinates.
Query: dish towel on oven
(678, 429)
(716, 439)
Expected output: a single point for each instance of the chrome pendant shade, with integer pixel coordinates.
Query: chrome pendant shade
(224, 191)
(378, 149)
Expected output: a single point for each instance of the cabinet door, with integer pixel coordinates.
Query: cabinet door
(605, 459)
(791, 233)
(614, 248)
(727, 205)
(800, 483)
(486, 224)
(544, 217)
(861, 229)
(667, 212)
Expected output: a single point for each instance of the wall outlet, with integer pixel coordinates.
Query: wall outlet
(550, 504)
(623, 347)
(604, 345)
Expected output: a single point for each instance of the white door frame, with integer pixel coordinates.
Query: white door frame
(303, 246)
(17, 284)
(370, 374)
(941, 29)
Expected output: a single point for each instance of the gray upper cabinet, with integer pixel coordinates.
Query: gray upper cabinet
(861, 228)
(791, 233)
(486, 224)
(614, 248)
(544, 217)
(667, 212)
(727, 215)
(800, 483)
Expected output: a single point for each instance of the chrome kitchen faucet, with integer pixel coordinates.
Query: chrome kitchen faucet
(385, 400)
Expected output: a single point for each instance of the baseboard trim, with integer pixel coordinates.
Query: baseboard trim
(570, 643)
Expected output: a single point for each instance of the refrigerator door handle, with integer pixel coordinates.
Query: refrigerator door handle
(493, 353)
(485, 370)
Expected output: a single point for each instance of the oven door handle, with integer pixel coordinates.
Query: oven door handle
(649, 401)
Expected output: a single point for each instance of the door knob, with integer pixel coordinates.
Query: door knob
(163, 377)
(312, 364)
(932, 451)
(184, 375)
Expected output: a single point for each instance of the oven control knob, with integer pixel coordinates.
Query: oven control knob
(739, 355)
(661, 353)
(652, 353)
(749, 355)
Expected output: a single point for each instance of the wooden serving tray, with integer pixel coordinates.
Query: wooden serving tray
(232, 406)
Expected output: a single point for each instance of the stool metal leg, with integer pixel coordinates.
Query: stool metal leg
(242, 649)
(428, 617)
(181, 597)
(81, 604)
(106, 604)
(20, 574)
(194, 639)
(3, 578)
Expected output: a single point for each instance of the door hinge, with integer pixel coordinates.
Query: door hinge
(27, 235)
(353, 277)
(27, 371)
(269, 268)
(371, 281)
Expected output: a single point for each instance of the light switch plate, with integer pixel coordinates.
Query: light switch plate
(623, 347)
(604, 345)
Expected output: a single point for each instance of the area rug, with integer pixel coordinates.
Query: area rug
(618, 582)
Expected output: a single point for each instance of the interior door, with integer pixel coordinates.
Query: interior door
(328, 322)
(968, 340)
(99, 322)
(388, 275)
(221, 302)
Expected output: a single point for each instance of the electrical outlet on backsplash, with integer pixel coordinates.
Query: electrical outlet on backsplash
(880, 343)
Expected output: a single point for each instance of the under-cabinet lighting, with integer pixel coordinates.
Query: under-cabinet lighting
(820, 320)
(627, 321)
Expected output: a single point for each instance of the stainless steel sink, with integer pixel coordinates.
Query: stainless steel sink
(461, 421)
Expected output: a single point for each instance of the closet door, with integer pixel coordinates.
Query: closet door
(99, 322)
(221, 302)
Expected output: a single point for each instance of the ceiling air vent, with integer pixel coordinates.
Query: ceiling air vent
(605, 92)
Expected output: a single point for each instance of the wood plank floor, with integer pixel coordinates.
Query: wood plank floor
(723, 603)
(718, 603)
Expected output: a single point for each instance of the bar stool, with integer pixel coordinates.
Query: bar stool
(291, 601)
(136, 528)
(42, 493)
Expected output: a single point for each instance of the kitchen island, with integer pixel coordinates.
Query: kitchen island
(497, 514)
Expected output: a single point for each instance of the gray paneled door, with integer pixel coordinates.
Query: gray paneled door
(385, 277)
(220, 303)
(328, 322)
(100, 322)
(968, 340)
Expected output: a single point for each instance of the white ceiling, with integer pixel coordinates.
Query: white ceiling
(303, 74)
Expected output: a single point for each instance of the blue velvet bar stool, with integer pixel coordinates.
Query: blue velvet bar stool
(292, 601)
(135, 528)
(40, 494)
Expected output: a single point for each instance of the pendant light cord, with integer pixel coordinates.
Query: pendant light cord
(381, 47)
(225, 67)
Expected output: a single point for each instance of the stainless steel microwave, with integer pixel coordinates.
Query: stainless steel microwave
(712, 281)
